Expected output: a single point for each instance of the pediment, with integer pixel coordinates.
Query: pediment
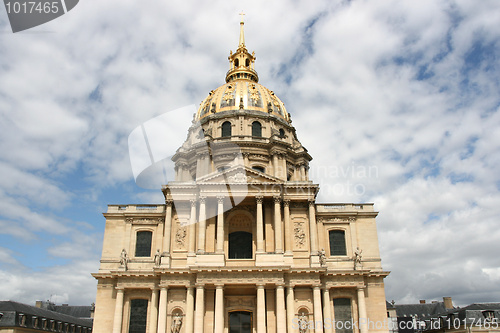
(237, 175)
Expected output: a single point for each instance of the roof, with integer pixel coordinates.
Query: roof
(420, 310)
(11, 309)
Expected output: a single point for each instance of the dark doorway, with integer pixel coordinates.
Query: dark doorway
(240, 322)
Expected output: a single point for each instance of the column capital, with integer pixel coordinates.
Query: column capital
(120, 288)
(200, 285)
(260, 285)
(193, 202)
(220, 198)
(169, 202)
(259, 199)
(286, 202)
(360, 288)
(202, 199)
(277, 199)
(311, 202)
(219, 286)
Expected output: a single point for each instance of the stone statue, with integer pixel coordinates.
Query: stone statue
(123, 259)
(357, 258)
(176, 323)
(302, 323)
(157, 257)
(322, 257)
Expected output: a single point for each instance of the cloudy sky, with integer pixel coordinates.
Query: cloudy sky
(398, 102)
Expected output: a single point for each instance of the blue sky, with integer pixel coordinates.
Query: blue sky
(397, 102)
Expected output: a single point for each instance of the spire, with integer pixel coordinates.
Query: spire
(242, 33)
(242, 62)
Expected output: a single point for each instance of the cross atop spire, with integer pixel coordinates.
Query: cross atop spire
(242, 33)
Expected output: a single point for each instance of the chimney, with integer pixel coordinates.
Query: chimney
(448, 304)
(422, 301)
(38, 304)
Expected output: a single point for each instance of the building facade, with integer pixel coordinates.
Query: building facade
(240, 244)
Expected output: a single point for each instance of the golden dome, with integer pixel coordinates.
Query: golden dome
(242, 94)
(242, 90)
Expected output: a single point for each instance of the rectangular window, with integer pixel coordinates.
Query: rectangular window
(337, 243)
(143, 244)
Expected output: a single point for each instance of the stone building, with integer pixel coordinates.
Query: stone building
(240, 244)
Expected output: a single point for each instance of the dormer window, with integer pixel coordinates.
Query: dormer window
(489, 315)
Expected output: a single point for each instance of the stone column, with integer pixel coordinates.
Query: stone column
(275, 165)
(200, 309)
(288, 230)
(162, 315)
(278, 245)
(219, 309)
(302, 172)
(202, 226)
(318, 318)
(260, 225)
(245, 159)
(167, 232)
(189, 309)
(363, 320)
(312, 228)
(280, 309)
(220, 225)
(153, 314)
(118, 318)
(327, 311)
(290, 308)
(261, 309)
(192, 229)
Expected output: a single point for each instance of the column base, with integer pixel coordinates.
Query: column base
(191, 259)
(165, 260)
(210, 259)
(288, 258)
(314, 261)
(269, 259)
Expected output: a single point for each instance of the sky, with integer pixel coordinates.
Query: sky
(397, 101)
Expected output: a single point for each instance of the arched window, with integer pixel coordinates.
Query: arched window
(282, 133)
(240, 245)
(343, 314)
(226, 129)
(337, 243)
(236, 62)
(247, 63)
(138, 315)
(256, 129)
(143, 243)
(240, 322)
(258, 168)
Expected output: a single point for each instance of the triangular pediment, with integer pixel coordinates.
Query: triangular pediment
(237, 175)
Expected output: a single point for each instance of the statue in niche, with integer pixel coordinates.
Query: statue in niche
(157, 257)
(357, 258)
(302, 323)
(176, 323)
(124, 259)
